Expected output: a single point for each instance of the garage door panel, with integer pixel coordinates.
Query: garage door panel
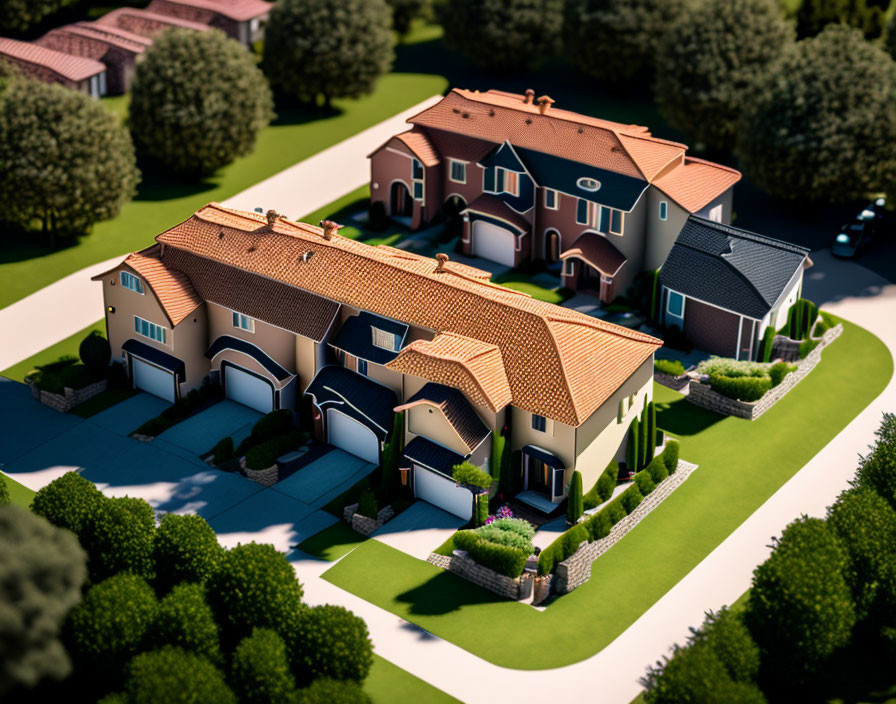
(248, 389)
(353, 437)
(153, 380)
(443, 492)
(494, 243)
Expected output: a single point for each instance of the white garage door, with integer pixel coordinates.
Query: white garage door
(443, 493)
(353, 437)
(248, 389)
(153, 380)
(493, 242)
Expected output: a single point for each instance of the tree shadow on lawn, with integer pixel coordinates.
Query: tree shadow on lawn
(18, 245)
(290, 112)
(682, 418)
(445, 593)
(159, 184)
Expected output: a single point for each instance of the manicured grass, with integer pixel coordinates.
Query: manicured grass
(68, 346)
(162, 201)
(742, 464)
(333, 542)
(117, 104)
(388, 683)
(18, 494)
(446, 548)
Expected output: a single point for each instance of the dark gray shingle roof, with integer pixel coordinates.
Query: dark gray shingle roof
(730, 268)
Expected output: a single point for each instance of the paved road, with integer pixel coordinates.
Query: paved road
(71, 304)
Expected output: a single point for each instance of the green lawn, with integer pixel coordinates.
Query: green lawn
(333, 542)
(18, 494)
(742, 464)
(68, 346)
(387, 683)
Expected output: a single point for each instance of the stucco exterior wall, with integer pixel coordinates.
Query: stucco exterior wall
(386, 377)
(393, 162)
(278, 344)
(661, 234)
(306, 361)
(430, 422)
(602, 437)
(558, 438)
(190, 343)
(726, 200)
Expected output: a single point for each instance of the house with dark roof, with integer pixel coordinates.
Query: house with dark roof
(724, 286)
(81, 73)
(287, 315)
(600, 199)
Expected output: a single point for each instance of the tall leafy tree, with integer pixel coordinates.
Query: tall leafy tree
(502, 35)
(260, 671)
(185, 549)
(68, 501)
(614, 40)
(800, 609)
(18, 15)
(877, 469)
(329, 48)
(185, 619)
(42, 569)
(330, 641)
(198, 101)
(869, 16)
(797, 139)
(710, 60)
(66, 161)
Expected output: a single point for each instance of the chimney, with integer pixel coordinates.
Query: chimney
(331, 229)
(530, 96)
(442, 258)
(272, 216)
(544, 102)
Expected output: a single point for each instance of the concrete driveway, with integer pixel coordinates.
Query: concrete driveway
(199, 434)
(419, 530)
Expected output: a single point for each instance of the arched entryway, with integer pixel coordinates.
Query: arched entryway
(400, 200)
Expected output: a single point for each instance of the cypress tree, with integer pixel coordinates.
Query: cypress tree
(574, 508)
(651, 431)
(643, 441)
(631, 455)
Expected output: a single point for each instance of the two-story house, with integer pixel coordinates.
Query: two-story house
(287, 315)
(534, 182)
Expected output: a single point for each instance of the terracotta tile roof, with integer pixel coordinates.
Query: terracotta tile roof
(456, 409)
(474, 367)
(419, 144)
(496, 116)
(549, 354)
(129, 19)
(238, 10)
(492, 205)
(173, 289)
(73, 68)
(696, 183)
(112, 31)
(460, 146)
(111, 36)
(598, 252)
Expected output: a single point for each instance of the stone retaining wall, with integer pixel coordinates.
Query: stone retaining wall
(576, 569)
(267, 477)
(700, 394)
(364, 524)
(71, 398)
(464, 566)
(676, 383)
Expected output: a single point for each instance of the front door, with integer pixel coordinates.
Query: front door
(401, 202)
(539, 476)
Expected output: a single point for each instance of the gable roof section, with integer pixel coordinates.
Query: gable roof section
(132, 20)
(497, 116)
(173, 289)
(495, 207)
(598, 252)
(72, 68)
(456, 409)
(549, 354)
(360, 398)
(356, 337)
(731, 268)
(99, 37)
(237, 10)
(420, 145)
(696, 183)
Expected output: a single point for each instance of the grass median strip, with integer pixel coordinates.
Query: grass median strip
(742, 463)
(332, 543)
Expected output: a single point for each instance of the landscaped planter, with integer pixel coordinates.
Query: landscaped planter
(70, 398)
(364, 524)
(270, 475)
(463, 566)
(542, 589)
(676, 383)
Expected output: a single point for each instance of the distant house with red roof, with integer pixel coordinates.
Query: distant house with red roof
(145, 23)
(77, 72)
(534, 182)
(242, 20)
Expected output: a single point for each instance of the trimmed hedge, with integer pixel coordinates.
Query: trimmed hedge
(615, 511)
(481, 508)
(574, 507)
(599, 526)
(672, 367)
(471, 475)
(514, 525)
(505, 537)
(631, 498)
(502, 559)
(768, 342)
(603, 488)
(670, 456)
(265, 454)
(741, 388)
(778, 371)
(644, 482)
(657, 469)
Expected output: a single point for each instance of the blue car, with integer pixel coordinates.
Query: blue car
(854, 237)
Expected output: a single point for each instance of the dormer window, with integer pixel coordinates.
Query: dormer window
(131, 282)
(588, 184)
(384, 340)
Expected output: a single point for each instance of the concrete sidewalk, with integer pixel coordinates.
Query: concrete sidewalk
(74, 302)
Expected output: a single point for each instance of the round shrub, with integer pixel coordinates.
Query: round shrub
(175, 676)
(260, 671)
(343, 61)
(95, 352)
(741, 388)
(615, 510)
(331, 641)
(631, 498)
(519, 526)
(599, 526)
(253, 585)
(668, 366)
(42, 568)
(198, 101)
(728, 637)
(185, 619)
(113, 621)
(329, 691)
(272, 424)
(877, 469)
(657, 469)
(644, 483)
(118, 537)
(471, 475)
(670, 455)
(778, 371)
(185, 549)
(68, 502)
(606, 484)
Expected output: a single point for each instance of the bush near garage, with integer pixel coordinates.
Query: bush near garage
(471, 475)
(185, 549)
(265, 454)
(367, 504)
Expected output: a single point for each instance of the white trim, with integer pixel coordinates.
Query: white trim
(588, 188)
(544, 199)
(164, 330)
(379, 445)
(740, 328)
(496, 217)
(399, 152)
(141, 288)
(663, 218)
(679, 316)
(239, 319)
(276, 383)
(451, 163)
(544, 242)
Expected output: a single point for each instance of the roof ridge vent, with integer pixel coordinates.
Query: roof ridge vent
(330, 228)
